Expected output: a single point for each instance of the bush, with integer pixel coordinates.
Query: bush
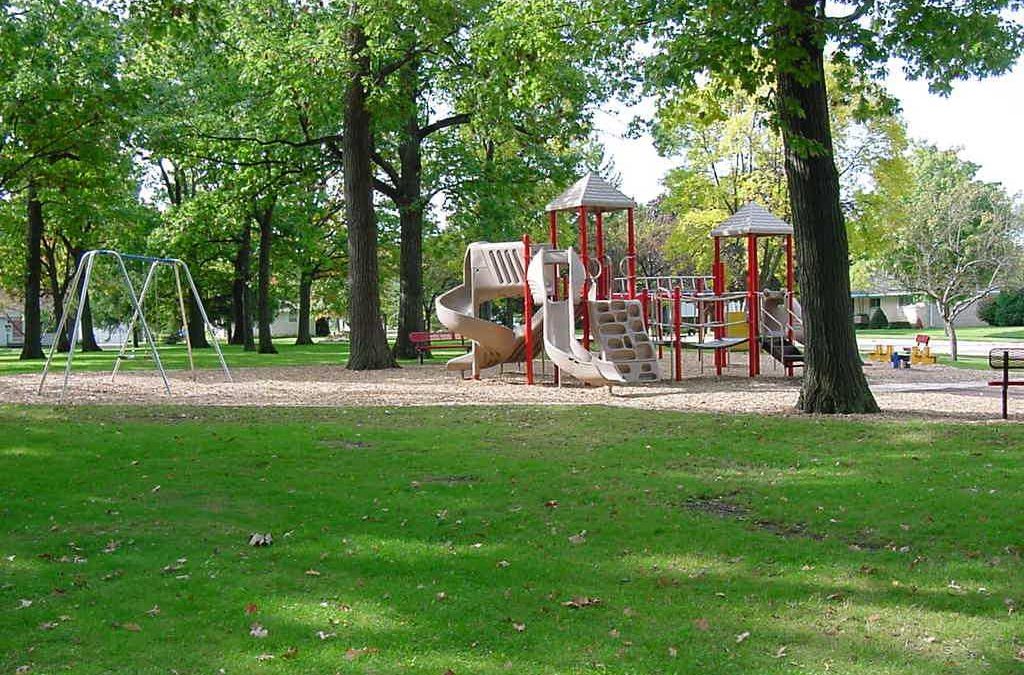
(878, 319)
(1004, 309)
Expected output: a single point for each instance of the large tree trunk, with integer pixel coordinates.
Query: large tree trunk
(33, 323)
(369, 346)
(410, 213)
(834, 379)
(265, 219)
(196, 327)
(305, 300)
(241, 305)
(88, 338)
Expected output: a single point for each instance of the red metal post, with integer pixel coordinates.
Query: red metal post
(585, 258)
(630, 254)
(603, 280)
(718, 287)
(527, 311)
(677, 321)
(753, 307)
(789, 295)
(645, 305)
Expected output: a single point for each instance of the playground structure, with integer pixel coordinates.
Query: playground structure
(632, 319)
(78, 294)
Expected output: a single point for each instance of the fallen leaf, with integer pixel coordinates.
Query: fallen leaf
(22, 604)
(112, 546)
(551, 503)
(582, 601)
(614, 633)
(325, 636)
(874, 617)
(701, 624)
(502, 564)
(742, 636)
(578, 538)
(312, 573)
(518, 627)
(22, 669)
(673, 652)
(442, 596)
(290, 653)
(258, 631)
(1019, 656)
(351, 654)
(131, 627)
(265, 657)
(260, 539)
(251, 608)
(834, 596)
(49, 625)
(780, 652)
(156, 489)
(154, 610)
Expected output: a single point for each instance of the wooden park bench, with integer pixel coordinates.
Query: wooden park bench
(1005, 360)
(425, 341)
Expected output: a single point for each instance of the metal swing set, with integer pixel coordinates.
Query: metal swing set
(80, 282)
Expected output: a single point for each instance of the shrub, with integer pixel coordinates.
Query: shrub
(1004, 309)
(878, 319)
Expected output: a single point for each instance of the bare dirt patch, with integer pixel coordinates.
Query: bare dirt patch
(932, 392)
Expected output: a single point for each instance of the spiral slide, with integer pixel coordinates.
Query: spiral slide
(490, 272)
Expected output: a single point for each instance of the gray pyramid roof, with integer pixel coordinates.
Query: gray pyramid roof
(593, 192)
(752, 219)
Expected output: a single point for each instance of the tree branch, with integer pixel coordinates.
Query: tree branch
(438, 125)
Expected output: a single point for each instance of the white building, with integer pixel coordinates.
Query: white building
(901, 306)
(10, 322)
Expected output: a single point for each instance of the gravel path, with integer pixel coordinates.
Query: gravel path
(931, 392)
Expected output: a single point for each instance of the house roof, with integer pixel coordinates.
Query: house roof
(593, 192)
(752, 219)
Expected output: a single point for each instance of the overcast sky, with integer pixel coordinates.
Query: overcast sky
(985, 118)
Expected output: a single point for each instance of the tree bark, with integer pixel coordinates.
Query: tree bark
(410, 203)
(33, 324)
(951, 332)
(196, 327)
(265, 218)
(369, 346)
(88, 338)
(240, 294)
(305, 337)
(833, 379)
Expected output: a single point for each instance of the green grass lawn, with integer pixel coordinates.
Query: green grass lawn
(174, 357)
(450, 540)
(972, 334)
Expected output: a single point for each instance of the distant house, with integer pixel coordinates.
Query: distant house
(904, 307)
(286, 323)
(11, 319)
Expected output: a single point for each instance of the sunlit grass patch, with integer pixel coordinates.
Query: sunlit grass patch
(410, 541)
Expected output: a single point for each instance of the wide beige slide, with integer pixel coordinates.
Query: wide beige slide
(490, 272)
(560, 342)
